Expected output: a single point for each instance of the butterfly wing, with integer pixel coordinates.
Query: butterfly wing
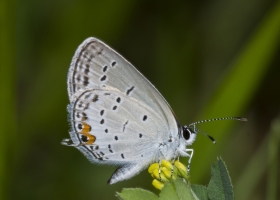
(112, 128)
(95, 65)
(117, 115)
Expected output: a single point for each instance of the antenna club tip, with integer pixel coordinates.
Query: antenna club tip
(243, 119)
(214, 142)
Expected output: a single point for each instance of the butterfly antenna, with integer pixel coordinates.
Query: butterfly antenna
(209, 136)
(215, 119)
(218, 119)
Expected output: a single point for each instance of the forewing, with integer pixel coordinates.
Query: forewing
(97, 66)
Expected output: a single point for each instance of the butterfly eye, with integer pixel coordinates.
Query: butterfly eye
(187, 131)
(186, 134)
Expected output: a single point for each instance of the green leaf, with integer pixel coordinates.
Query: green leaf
(177, 189)
(220, 186)
(137, 193)
(200, 191)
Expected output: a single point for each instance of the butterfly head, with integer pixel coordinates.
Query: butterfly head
(188, 134)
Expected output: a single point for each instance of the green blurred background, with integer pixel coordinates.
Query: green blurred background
(209, 59)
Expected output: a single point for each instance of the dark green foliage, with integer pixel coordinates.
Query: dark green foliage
(219, 188)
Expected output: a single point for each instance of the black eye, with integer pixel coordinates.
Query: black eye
(186, 133)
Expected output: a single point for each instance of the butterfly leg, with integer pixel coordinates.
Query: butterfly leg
(172, 169)
(159, 170)
(187, 153)
(173, 161)
(162, 150)
(189, 161)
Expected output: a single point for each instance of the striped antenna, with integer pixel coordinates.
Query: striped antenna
(215, 119)
(209, 136)
(218, 119)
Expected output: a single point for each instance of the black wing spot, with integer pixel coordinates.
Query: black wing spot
(101, 112)
(116, 138)
(115, 107)
(90, 58)
(129, 90)
(145, 118)
(84, 116)
(84, 138)
(140, 135)
(79, 78)
(83, 56)
(105, 68)
(142, 155)
(122, 155)
(86, 82)
(102, 121)
(96, 147)
(125, 125)
(97, 50)
(87, 69)
(113, 63)
(106, 130)
(86, 107)
(109, 146)
(80, 126)
(118, 100)
(95, 98)
(103, 78)
(87, 96)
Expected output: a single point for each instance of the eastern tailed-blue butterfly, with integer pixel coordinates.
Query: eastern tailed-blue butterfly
(118, 117)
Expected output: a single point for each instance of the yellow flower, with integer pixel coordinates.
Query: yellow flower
(153, 167)
(157, 184)
(167, 171)
(182, 170)
(167, 164)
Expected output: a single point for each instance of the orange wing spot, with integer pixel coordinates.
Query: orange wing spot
(85, 131)
(91, 139)
(86, 128)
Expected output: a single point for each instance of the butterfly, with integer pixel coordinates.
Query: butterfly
(118, 117)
